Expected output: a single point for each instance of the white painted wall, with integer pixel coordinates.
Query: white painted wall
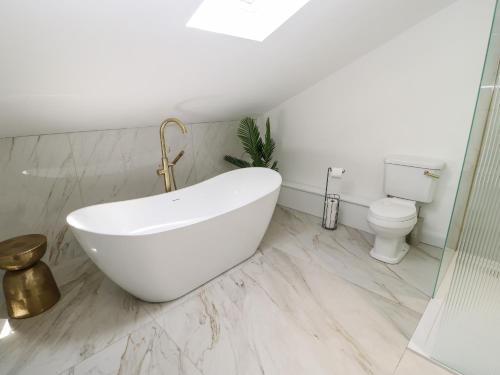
(413, 95)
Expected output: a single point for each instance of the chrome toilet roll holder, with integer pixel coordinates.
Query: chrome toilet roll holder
(331, 205)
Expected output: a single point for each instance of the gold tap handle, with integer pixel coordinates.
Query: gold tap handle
(179, 155)
(430, 174)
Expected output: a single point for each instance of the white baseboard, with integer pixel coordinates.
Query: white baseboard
(353, 210)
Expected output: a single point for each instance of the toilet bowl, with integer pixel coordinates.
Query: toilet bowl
(391, 219)
(408, 179)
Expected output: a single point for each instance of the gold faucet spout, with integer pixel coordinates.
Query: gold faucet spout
(166, 169)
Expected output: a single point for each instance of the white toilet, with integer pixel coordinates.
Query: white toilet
(408, 180)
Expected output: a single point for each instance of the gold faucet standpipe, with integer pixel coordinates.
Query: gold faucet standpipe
(166, 169)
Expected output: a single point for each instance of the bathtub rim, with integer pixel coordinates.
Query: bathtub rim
(183, 225)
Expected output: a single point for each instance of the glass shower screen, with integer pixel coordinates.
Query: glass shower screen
(467, 338)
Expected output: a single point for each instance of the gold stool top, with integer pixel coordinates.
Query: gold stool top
(21, 252)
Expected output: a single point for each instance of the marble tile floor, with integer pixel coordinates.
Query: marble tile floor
(309, 301)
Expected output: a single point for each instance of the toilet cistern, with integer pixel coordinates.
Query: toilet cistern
(408, 180)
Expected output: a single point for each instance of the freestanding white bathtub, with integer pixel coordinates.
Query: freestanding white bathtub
(159, 248)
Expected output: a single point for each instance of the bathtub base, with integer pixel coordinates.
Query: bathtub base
(198, 286)
(191, 257)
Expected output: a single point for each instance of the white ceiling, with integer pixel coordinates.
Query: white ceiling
(70, 65)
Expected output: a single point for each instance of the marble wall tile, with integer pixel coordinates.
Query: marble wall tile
(211, 143)
(121, 164)
(38, 188)
(116, 164)
(46, 177)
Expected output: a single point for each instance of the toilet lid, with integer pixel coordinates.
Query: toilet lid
(392, 209)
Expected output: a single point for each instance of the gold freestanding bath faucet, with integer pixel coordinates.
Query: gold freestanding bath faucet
(167, 168)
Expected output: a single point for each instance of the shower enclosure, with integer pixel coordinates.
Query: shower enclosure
(466, 331)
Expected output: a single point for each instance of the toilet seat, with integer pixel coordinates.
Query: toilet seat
(393, 210)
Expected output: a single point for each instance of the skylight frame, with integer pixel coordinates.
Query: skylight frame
(248, 19)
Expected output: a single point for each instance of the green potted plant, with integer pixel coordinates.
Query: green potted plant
(260, 150)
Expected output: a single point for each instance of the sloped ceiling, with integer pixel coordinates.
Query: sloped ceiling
(99, 64)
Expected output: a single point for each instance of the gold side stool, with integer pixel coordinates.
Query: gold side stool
(28, 284)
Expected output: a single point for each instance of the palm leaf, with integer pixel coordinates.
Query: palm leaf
(268, 145)
(249, 135)
(237, 162)
(275, 166)
(260, 152)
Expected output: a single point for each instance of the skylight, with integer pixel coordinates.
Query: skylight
(249, 19)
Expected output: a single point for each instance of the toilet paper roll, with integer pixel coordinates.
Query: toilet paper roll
(330, 218)
(337, 172)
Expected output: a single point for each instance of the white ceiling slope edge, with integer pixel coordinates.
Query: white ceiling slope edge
(102, 64)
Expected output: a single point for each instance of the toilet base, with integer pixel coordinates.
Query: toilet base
(390, 251)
